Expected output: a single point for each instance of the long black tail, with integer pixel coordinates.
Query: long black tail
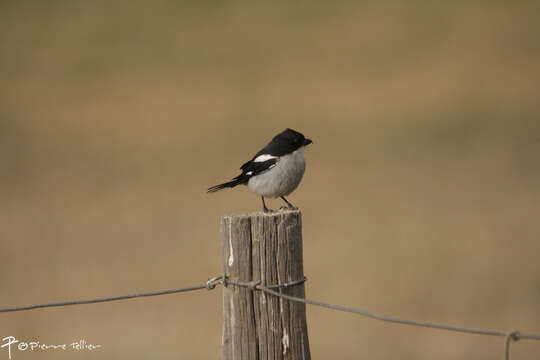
(230, 184)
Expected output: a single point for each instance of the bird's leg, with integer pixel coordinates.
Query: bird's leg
(265, 209)
(291, 206)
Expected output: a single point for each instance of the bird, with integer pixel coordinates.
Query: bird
(275, 171)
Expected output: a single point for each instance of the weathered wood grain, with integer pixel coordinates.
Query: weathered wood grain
(265, 247)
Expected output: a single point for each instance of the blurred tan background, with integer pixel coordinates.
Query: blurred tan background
(421, 197)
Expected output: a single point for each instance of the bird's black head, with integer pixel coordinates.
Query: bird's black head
(294, 138)
(285, 143)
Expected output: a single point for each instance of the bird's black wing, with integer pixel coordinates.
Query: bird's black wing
(282, 144)
(252, 168)
(249, 169)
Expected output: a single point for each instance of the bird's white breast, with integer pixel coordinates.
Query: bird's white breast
(282, 179)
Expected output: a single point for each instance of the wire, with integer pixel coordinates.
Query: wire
(210, 284)
(513, 335)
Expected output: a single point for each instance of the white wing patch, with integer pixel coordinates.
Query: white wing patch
(264, 157)
(249, 173)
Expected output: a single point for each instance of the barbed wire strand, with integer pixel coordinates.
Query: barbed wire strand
(509, 336)
(515, 334)
(105, 299)
(269, 289)
(512, 335)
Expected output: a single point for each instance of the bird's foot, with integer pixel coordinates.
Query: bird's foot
(267, 210)
(289, 205)
(288, 208)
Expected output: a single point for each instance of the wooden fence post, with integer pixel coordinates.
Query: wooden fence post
(267, 248)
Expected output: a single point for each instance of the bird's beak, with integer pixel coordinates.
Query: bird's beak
(307, 142)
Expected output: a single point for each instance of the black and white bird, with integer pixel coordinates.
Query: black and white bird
(276, 170)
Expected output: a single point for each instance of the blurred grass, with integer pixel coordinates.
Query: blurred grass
(421, 190)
